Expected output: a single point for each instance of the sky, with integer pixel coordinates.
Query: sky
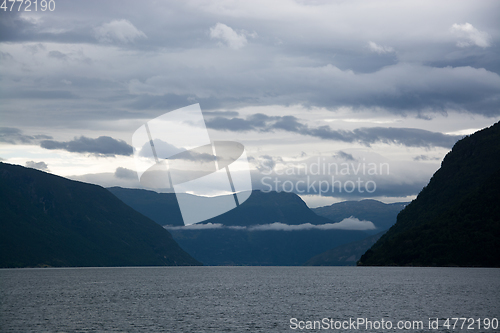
(332, 100)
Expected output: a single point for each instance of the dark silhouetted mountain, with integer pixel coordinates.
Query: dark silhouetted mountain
(239, 242)
(455, 220)
(242, 246)
(381, 214)
(344, 255)
(47, 220)
(269, 207)
(159, 207)
(259, 208)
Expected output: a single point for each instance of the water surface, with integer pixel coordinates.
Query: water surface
(239, 299)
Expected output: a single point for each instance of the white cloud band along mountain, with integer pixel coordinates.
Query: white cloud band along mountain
(350, 223)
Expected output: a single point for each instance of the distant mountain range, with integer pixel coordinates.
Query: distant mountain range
(455, 220)
(269, 207)
(47, 220)
(381, 214)
(236, 242)
(262, 208)
(259, 208)
(224, 245)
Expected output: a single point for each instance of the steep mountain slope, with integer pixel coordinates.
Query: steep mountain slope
(455, 220)
(48, 220)
(159, 207)
(344, 255)
(381, 214)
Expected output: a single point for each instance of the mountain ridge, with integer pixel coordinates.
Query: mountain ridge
(48, 220)
(267, 208)
(381, 214)
(159, 207)
(431, 232)
(259, 208)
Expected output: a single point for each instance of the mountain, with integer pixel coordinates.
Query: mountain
(250, 247)
(237, 242)
(47, 220)
(455, 220)
(344, 255)
(159, 207)
(269, 207)
(381, 214)
(259, 208)
(235, 239)
(232, 241)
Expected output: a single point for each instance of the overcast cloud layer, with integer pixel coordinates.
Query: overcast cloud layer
(409, 137)
(291, 80)
(149, 55)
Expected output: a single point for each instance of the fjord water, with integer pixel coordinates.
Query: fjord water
(239, 299)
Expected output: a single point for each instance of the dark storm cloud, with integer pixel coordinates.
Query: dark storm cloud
(406, 89)
(103, 145)
(169, 101)
(255, 122)
(232, 124)
(410, 137)
(15, 27)
(16, 136)
(471, 57)
(37, 165)
(330, 65)
(125, 173)
(401, 89)
(12, 27)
